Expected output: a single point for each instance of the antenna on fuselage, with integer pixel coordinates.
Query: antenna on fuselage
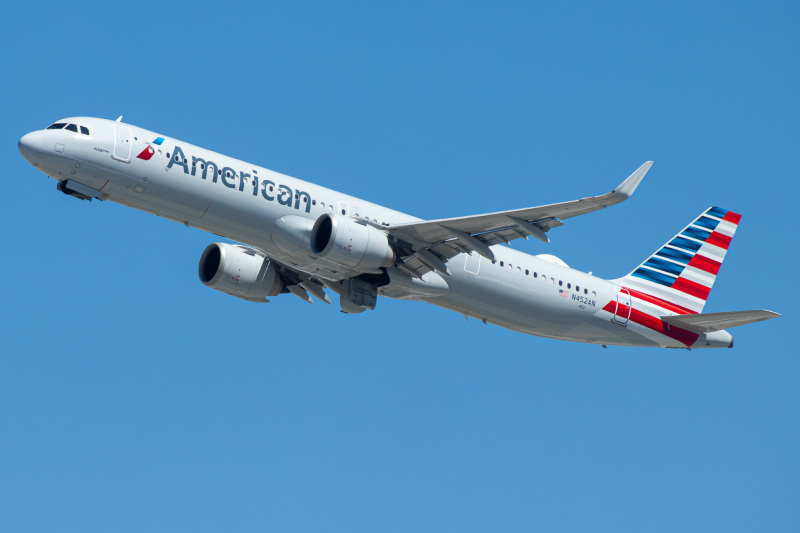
(119, 119)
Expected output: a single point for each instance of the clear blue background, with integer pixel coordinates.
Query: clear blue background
(132, 398)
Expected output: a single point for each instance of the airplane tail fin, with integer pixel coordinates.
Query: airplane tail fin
(679, 276)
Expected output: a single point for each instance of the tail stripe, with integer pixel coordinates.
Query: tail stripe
(706, 264)
(698, 276)
(683, 271)
(718, 239)
(717, 212)
(709, 223)
(686, 244)
(690, 287)
(696, 233)
(666, 266)
(675, 255)
(655, 277)
(732, 217)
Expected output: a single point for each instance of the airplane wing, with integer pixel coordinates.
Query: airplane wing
(429, 244)
(708, 322)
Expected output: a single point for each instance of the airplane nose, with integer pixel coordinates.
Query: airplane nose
(31, 144)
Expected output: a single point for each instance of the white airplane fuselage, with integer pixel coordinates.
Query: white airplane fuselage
(275, 213)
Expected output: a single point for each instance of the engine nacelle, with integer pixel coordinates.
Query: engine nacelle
(239, 271)
(350, 242)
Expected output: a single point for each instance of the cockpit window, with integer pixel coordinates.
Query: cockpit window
(84, 130)
(72, 127)
(57, 126)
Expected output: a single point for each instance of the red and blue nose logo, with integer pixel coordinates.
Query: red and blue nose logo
(148, 151)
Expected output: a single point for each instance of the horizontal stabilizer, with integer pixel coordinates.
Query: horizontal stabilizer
(708, 322)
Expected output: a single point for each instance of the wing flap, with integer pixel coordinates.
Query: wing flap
(708, 322)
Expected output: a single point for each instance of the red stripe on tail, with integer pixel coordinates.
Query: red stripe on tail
(705, 263)
(691, 288)
(664, 304)
(718, 239)
(733, 217)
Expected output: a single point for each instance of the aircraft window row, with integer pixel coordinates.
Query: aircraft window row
(69, 127)
(552, 280)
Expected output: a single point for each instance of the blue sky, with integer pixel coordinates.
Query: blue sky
(133, 398)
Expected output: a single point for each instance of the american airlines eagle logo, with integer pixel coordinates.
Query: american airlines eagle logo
(148, 151)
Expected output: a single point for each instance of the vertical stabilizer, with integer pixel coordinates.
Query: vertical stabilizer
(679, 276)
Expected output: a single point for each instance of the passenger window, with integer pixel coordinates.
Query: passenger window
(560, 283)
(527, 272)
(578, 289)
(569, 285)
(585, 291)
(502, 264)
(594, 294)
(57, 126)
(72, 127)
(535, 275)
(84, 130)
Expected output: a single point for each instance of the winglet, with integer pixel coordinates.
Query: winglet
(627, 187)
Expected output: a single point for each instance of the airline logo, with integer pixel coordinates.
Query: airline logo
(689, 263)
(679, 276)
(148, 152)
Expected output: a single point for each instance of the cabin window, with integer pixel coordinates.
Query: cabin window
(519, 269)
(535, 275)
(344, 212)
(585, 291)
(569, 285)
(560, 283)
(527, 272)
(57, 126)
(314, 202)
(502, 264)
(594, 294)
(72, 127)
(577, 289)
(84, 130)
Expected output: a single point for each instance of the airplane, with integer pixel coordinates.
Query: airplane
(300, 238)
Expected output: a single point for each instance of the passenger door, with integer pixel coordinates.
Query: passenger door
(122, 143)
(622, 312)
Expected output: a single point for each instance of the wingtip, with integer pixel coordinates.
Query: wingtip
(627, 187)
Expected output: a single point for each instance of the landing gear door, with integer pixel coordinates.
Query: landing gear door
(122, 143)
(622, 312)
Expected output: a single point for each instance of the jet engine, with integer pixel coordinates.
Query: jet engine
(351, 243)
(239, 271)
